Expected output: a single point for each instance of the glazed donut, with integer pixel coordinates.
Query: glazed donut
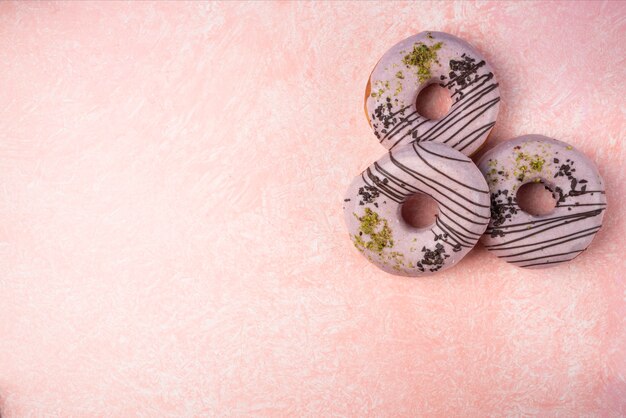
(541, 241)
(421, 60)
(373, 206)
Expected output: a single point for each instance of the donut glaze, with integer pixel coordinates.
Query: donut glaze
(541, 241)
(421, 60)
(373, 205)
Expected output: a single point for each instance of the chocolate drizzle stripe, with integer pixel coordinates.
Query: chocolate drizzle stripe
(581, 204)
(459, 117)
(527, 229)
(458, 214)
(387, 191)
(405, 190)
(447, 176)
(525, 260)
(460, 105)
(593, 231)
(444, 156)
(455, 231)
(395, 180)
(456, 244)
(451, 219)
(534, 231)
(489, 105)
(546, 220)
(402, 110)
(551, 262)
(400, 195)
(423, 179)
(410, 132)
(453, 116)
(452, 233)
(407, 120)
(484, 78)
(482, 129)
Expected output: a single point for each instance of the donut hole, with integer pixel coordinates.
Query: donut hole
(419, 210)
(433, 102)
(536, 198)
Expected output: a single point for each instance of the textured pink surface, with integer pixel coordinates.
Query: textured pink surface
(171, 233)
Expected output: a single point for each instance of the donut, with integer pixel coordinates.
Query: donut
(559, 236)
(421, 60)
(373, 206)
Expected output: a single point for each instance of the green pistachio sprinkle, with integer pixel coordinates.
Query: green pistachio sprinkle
(398, 89)
(377, 229)
(537, 164)
(422, 56)
(400, 75)
(380, 88)
(398, 260)
(526, 164)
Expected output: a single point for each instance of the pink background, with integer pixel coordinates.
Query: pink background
(171, 233)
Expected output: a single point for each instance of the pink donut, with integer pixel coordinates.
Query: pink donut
(541, 241)
(373, 207)
(421, 60)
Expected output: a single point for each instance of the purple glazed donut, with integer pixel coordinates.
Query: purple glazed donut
(373, 206)
(541, 241)
(421, 60)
